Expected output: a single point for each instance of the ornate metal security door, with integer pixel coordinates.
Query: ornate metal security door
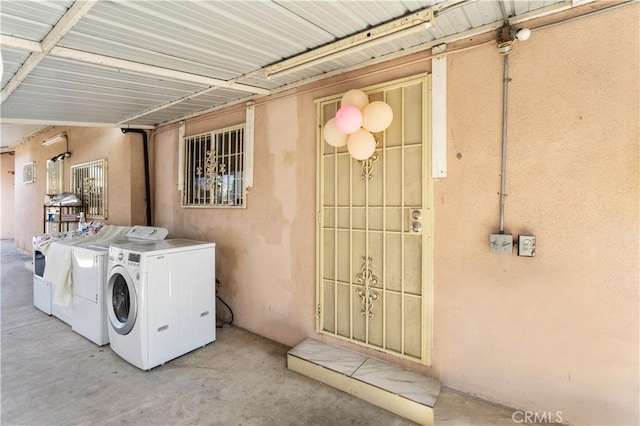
(374, 229)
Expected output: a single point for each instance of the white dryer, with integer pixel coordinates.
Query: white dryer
(160, 299)
(89, 272)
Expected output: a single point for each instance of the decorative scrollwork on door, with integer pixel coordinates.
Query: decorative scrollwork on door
(367, 166)
(367, 295)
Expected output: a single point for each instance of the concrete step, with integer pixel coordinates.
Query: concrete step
(396, 389)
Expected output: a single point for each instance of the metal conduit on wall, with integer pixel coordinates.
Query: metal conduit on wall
(147, 185)
(503, 171)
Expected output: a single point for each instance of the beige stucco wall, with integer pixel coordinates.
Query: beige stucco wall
(558, 332)
(125, 185)
(7, 195)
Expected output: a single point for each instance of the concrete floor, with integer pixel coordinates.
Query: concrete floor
(53, 376)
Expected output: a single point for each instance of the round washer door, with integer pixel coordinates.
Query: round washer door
(122, 306)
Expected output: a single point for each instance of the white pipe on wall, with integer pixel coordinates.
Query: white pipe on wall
(181, 133)
(439, 115)
(248, 138)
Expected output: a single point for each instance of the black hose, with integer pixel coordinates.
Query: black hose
(230, 311)
(147, 185)
(225, 304)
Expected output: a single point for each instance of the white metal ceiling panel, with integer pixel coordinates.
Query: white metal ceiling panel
(29, 19)
(12, 59)
(217, 39)
(195, 64)
(266, 26)
(59, 84)
(335, 18)
(525, 6)
(489, 11)
(125, 34)
(212, 99)
(58, 69)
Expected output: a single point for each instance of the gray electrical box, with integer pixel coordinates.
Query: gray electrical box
(501, 243)
(526, 245)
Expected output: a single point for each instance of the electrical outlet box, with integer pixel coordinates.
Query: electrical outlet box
(526, 245)
(501, 243)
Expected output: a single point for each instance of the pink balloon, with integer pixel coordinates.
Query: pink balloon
(348, 119)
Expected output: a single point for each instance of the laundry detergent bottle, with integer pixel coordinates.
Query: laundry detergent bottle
(82, 225)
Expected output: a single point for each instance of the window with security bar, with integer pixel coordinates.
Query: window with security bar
(89, 183)
(214, 169)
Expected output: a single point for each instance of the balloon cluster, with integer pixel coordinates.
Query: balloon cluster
(355, 122)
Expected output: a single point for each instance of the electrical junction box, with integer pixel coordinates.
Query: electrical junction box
(501, 243)
(526, 245)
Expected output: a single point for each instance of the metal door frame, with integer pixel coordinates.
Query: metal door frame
(427, 246)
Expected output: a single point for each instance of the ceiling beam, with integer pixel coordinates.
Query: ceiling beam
(5, 120)
(168, 104)
(64, 25)
(123, 64)
(20, 43)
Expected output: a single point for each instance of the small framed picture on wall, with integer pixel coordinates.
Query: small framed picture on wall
(29, 172)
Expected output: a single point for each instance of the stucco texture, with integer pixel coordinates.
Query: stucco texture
(7, 194)
(558, 332)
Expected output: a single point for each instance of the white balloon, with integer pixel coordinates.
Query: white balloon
(333, 135)
(361, 144)
(377, 116)
(355, 97)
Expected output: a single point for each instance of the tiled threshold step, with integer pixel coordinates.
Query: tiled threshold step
(396, 389)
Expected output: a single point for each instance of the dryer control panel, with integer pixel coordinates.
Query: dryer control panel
(123, 257)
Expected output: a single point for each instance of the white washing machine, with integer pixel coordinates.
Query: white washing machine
(89, 271)
(160, 299)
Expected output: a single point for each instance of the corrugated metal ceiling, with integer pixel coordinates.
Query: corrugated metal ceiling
(142, 63)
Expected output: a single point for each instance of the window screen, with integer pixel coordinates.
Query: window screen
(89, 182)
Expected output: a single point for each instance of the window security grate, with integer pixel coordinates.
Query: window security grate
(214, 169)
(89, 182)
(54, 176)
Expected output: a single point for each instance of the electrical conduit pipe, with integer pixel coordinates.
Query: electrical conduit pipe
(147, 186)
